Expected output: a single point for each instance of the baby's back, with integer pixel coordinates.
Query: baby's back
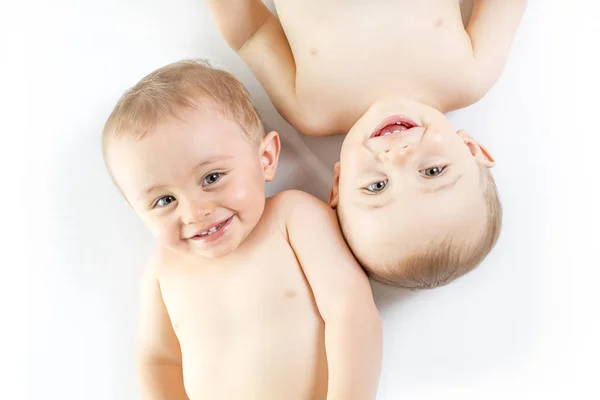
(350, 54)
(248, 326)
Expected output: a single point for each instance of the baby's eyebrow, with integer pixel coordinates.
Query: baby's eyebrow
(209, 161)
(374, 206)
(441, 187)
(380, 205)
(196, 167)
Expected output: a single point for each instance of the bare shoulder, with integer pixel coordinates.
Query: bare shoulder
(153, 264)
(298, 204)
(159, 258)
(288, 198)
(162, 261)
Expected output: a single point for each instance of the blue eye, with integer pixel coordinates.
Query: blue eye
(377, 187)
(164, 201)
(432, 172)
(211, 178)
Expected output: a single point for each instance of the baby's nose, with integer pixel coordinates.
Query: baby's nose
(396, 154)
(196, 211)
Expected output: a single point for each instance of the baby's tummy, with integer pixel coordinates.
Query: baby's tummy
(264, 360)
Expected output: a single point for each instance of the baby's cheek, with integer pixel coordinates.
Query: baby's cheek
(165, 233)
(247, 192)
(240, 194)
(248, 200)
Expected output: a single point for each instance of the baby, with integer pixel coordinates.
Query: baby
(414, 197)
(245, 297)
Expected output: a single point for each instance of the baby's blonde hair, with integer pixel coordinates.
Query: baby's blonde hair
(442, 261)
(187, 84)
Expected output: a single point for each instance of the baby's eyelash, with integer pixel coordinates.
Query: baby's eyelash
(156, 205)
(220, 175)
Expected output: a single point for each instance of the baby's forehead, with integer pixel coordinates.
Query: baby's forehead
(389, 243)
(152, 161)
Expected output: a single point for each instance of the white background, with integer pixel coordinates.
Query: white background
(525, 324)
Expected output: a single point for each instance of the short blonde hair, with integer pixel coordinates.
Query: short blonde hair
(442, 261)
(186, 84)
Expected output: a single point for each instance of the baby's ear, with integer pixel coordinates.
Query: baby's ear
(478, 151)
(333, 194)
(269, 154)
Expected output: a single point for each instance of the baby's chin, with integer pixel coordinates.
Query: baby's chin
(212, 254)
(404, 105)
(421, 113)
(186, 248)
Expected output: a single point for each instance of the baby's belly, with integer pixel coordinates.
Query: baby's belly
(267, 359)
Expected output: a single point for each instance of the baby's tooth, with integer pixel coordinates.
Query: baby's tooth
(212, 230)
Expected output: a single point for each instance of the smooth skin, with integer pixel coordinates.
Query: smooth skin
(276, 308)
(342, 67)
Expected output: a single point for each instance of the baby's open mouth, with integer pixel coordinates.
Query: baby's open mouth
(394, 125)
(214, 229)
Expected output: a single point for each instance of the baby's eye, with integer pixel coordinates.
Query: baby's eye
(432, 172)
(164, 201)
(211, 178)
(377, 187)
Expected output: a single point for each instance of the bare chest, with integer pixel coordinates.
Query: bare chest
(246, 320)
(350, 54)
(260, 290)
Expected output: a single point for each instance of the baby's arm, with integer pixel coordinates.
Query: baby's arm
(158, 356)
(353, 336)
(258, 37)
(492, 28)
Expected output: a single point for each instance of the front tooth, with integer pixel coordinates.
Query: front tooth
(212, 230)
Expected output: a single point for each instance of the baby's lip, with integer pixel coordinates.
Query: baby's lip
(207, 228)
(402, 121)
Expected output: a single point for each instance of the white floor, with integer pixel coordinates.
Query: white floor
(523, 325)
